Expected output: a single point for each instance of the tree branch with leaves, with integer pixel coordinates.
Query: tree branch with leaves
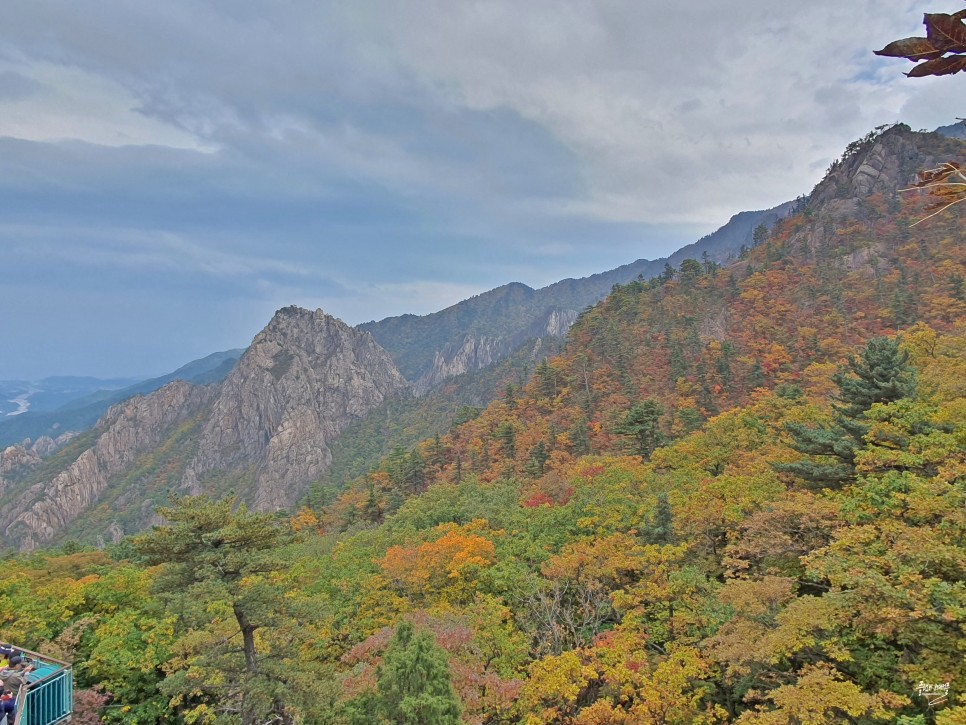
(942, 52)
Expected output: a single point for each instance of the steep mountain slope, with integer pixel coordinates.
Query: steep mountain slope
(127, 431)
(264, 431)
(701, 339)
(479, 331)
(81, 412)
(404, 421)
(708, 575)
(304, 378)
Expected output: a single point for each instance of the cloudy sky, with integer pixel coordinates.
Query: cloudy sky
(173, 172)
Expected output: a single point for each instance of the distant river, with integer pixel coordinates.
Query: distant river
(22, 402)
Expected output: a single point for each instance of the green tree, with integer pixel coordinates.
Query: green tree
(537, 460)
(641, 425)
(413, 685)
(508, 439)
(547, 380)
(217, 558)
(691, 270)
(759, 235)
(661, 527)
(881, 374)
(414, 472)
(579, 438)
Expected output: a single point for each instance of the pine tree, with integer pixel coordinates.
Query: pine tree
(881, 374)
(413, 685)
(579, 438)
(641, 424)
(372, 511)
(510, 396)
(536, 460)
(212, 552)
(507, 437)
(661, 529)
(414, 472)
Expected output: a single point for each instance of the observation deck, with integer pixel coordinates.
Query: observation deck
(48, 696)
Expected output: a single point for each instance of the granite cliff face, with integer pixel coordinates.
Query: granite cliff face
(475, 353)
(480, 331)
(126, 431)
(305, 377)
(15, 460)
(266, 430)
(880, 163)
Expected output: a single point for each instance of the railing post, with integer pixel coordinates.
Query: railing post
(21, 705)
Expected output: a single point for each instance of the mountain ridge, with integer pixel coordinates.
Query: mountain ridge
(430, 348)
(266, 427)
(81, 413)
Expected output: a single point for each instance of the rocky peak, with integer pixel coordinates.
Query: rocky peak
(14, 457)
(881, 162)
(305, 377)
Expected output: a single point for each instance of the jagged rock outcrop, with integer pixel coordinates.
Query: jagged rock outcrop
(880, 163)
(14, 460)
(44, 446)
(17, 457)
(476, 353)
(127, 430)
(305, 377)
(472, 354)
(266, 429)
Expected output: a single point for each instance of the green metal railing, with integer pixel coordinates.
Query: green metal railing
(48, 699)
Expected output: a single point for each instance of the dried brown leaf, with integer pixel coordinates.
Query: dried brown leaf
(939, 174)
(939, 67)
(911, 48)
(945, 32)
(952, 191)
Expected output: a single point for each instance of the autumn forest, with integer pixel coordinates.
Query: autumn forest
(738, 494)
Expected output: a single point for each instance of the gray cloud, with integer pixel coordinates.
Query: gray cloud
(386, 157)
(16, 87)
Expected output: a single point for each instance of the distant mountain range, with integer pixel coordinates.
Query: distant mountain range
(477, 332)
(55, 405)
(953, 130)
(271, 423)
(19, 396)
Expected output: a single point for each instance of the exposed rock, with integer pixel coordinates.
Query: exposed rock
(559, 322)
(305, 377)
(476, 353)
(44, 446)
(879, 165)
(454, 360)
(16, 457)
(127, 430)
(64, 438)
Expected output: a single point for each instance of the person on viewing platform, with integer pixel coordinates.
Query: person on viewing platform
(6, 652)
(14, 676)
(8, 707)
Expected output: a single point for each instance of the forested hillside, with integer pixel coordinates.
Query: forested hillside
(512, 314)
(738, 494)
(673, 351)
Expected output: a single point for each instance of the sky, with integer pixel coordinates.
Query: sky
(171, 173)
